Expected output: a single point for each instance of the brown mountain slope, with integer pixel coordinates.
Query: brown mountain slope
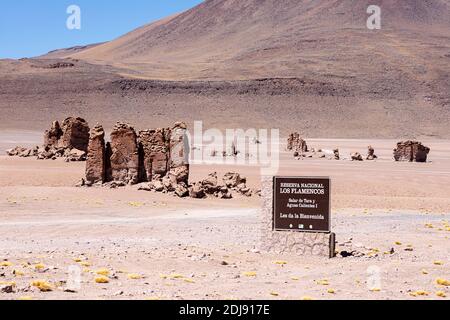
(236, 39)
(307, 65)
(61, 53)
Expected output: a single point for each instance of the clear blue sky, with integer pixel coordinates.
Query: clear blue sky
(32, 27)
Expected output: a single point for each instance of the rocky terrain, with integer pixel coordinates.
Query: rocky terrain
(391, 220)
(117, 211)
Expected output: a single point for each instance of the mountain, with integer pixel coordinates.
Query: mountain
(247, 39)
(61, 53)
(306, 65)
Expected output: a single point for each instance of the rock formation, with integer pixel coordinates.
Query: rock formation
(238, 183)
(356, 156)
(336, 154)
(95, 163)
(412, 151)
(75, 134)
(23, 152)
(371, 153)
(52, 136)
(154, 153)
(296, 144)
(179, 153)
(124, 157)
(159, 159)
(69, 141)
(211, 186)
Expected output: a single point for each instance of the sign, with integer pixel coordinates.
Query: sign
(302, 204)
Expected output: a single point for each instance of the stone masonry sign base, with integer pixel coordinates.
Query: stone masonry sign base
(290, 242)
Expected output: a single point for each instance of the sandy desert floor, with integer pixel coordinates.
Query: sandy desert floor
(398, 213)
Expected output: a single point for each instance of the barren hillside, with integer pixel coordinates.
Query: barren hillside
(308, 65)
(235, 39)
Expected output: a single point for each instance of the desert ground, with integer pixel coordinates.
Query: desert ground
(307, 66)
(157, 246)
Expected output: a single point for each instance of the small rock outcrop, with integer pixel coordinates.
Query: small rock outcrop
(95, 163)
(411, 151)
(233, 179)
(179, 152)
(236, 182)
(296, 143)
(75, 134)
(371, 153)
(197, 191)
(211, 184)
(52, 136)
(23, 152)
(336, 154)
(125, 156)
(154, 153)
(158, 159)
(356, 156)
(69, 141)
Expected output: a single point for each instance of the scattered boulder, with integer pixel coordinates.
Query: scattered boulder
(75, 155)
(157, 185)
(181, 190)
(336, 154)
(411, 151)
(233, 179)
(47, 154)
(179, 175)
(197, 191)
(114, 184)
(169, 183)
(7, 288)
(124, 158)
(371, 153)
(210, 184)
(356, 156)
(244, 190)
(95, 164)
(23, 152)
(225, 193)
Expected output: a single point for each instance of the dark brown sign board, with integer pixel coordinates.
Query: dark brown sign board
(302, 204)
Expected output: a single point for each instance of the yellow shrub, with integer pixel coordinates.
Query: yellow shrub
(102, 272)
(42, 285)
(134, 276)
(101, 279)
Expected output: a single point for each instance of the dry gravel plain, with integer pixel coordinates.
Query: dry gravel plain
(155, 246)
